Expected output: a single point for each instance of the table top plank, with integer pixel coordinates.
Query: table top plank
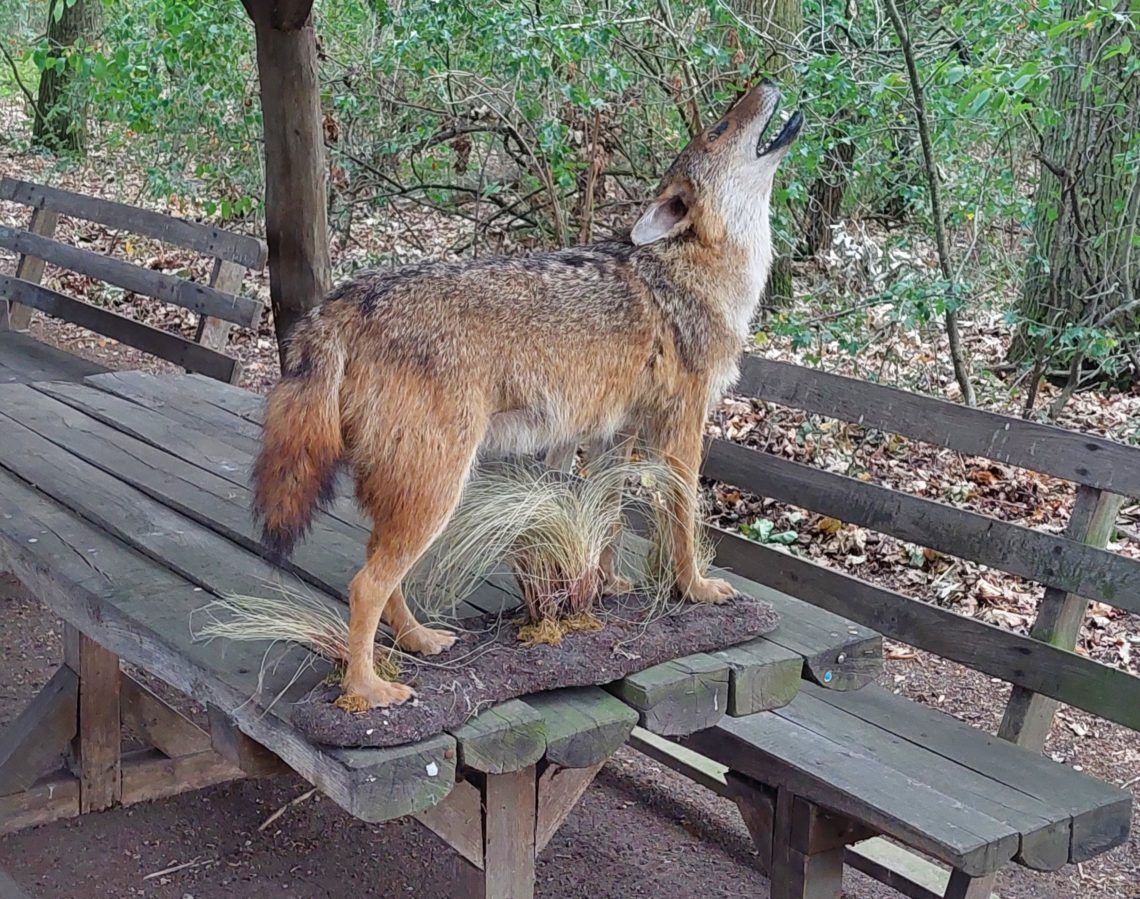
(140, 610)
(162, 464)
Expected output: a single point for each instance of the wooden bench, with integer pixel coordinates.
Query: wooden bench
(130, 486)
(218, 304)
(819, 777)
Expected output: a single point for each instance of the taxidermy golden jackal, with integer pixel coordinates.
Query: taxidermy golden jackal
(407, 375)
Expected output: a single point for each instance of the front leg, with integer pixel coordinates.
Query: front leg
(680, 443)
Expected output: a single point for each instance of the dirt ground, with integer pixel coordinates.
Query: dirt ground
(641, 830)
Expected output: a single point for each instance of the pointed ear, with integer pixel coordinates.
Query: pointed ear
(666, 217)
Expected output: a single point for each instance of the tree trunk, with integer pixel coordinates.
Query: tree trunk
(825, 198)
(61, 105)
(296, 211)
(1084, 270)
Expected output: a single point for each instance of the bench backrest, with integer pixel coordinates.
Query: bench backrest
(1073, 567)
(218, 303)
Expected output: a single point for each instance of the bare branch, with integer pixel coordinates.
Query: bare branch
(957, 356)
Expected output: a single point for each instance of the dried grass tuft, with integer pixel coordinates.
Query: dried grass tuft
(551, 530)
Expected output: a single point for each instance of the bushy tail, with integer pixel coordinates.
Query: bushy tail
(302, 443)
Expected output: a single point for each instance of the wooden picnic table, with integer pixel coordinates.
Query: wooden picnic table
(124, 507)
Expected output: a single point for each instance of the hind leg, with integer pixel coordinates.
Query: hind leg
(410, 635)
(411, 497)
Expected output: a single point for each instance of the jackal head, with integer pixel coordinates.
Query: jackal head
(718, 189)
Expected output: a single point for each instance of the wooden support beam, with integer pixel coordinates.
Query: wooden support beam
(678, 697)
(458, 821)
(584, 725)
(797, 872)
(1028, 715)
(38, 741)
(509, 820)
(698, 768)
(98, 741)
(29, 268)
(757, 806)
(296, 213)
(161, 725)
(48, 800)
(963, 886)
(253, 759)
(559, 790)
(507, 737)
(214, 333)
(148, 774)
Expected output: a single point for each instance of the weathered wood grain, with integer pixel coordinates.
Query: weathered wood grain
(248, 756)
(584, 725)
(458, 821)
(159, 724)
(1056, 561)
(1077, 457)
(1100, 812)
(191, 295)
(559, 790)
(1071, 678)
(150, 775)
(1044, 828)
(510, 811)
(29, 268)
(171, 347)
(48, 800)
(773, 750)
(762, 676)
(677, 697)
(102, 586)
(504, 738)
(240, 402)
(215, 332)
(98, 739)
(38, 741)
(796, 872)
(1060, 616)
(247, 251)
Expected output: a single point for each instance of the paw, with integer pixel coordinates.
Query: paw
(373, 693)
(712, 590)
(426, 641)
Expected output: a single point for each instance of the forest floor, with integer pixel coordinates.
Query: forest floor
(689, 843)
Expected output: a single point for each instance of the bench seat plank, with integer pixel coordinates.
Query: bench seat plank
(1100, 812)
(915, 774)
(1044, 828)
(853, 782)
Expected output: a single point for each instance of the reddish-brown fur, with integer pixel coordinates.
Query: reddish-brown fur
(408, 375)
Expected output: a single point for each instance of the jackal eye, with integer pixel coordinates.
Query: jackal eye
(717, 131)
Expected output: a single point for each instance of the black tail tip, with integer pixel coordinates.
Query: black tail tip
(277, 546)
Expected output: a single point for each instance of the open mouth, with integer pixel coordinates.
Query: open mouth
(784, 137)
